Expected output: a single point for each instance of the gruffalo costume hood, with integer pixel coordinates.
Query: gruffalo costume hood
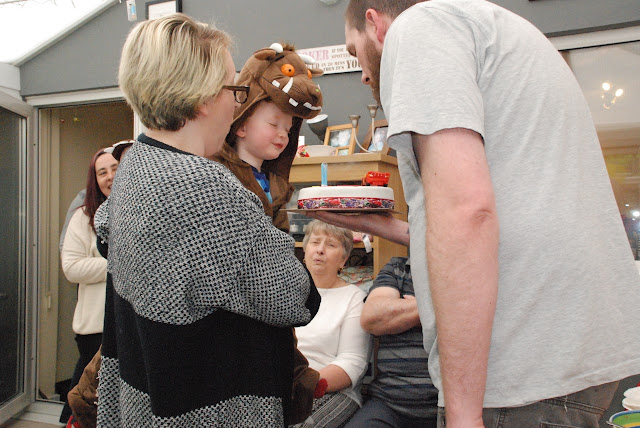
(280, 75)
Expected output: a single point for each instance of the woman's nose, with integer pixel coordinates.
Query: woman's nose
(365, 79)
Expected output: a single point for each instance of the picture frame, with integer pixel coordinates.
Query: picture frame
(341, 136)
(376, 139)
(158, 8)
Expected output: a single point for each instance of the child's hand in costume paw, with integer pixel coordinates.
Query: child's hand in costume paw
(321, 388)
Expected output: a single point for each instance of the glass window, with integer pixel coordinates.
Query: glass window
(12, 285)
(610, 79)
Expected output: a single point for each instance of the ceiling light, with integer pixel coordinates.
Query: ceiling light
(609, 96)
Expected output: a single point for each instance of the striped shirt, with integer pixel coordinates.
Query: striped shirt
(402, 377)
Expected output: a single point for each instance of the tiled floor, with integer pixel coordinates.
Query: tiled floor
(40, 414)
(15, 423)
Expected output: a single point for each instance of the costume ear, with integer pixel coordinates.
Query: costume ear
(315, 72)
(265, 53)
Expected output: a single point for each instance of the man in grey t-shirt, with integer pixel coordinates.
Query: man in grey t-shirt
(502, 172)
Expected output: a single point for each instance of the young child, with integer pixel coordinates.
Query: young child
(263, 139)
(260, 149)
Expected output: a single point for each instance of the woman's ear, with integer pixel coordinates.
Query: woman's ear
(203, 109)
(344, 262)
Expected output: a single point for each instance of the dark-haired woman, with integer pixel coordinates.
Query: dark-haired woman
(82, 264)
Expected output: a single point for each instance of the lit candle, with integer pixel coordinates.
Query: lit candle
(323, 171)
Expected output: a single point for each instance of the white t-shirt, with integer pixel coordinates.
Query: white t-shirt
(567, 314)
(335, 336)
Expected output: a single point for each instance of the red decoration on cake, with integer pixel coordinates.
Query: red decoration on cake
(302, 151)
(374, 178)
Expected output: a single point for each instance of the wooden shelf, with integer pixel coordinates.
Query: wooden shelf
(353, 168)
(341, 168)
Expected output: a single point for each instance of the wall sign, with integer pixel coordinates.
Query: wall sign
(158, 8)
(333, 59)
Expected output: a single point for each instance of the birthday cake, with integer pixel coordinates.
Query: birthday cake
(345, 197)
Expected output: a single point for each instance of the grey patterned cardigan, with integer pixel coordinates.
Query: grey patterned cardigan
(202, 293)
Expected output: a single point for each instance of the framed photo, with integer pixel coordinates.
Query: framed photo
(376, 139)
(341, 136)
(158, 8)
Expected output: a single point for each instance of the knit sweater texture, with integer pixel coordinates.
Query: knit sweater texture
(202, 295)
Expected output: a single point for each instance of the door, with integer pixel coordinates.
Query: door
(15, 347)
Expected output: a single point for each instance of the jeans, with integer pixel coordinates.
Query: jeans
(581, 409)
(376, 414)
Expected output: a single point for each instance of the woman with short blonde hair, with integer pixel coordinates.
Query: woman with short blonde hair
(169, 67)
(202, 290)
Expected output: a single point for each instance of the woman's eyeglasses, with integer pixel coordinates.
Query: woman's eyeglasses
(240, 93)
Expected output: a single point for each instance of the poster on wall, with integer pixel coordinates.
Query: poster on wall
(332, 59)
(155, 9)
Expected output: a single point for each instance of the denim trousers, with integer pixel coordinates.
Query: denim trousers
(581, 409)
(375, 413)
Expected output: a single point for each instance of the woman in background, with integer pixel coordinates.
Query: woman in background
(334, 342)
(82, 264)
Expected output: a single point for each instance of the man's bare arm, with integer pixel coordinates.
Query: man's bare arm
(384, 226)
(462, 255)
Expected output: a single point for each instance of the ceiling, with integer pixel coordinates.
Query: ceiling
(29, 26)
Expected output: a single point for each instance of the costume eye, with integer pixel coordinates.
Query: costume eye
(309, 73)
(288, 70)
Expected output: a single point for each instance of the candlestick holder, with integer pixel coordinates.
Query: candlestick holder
(354, 118)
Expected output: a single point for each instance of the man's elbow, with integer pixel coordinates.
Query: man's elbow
(478, 210)
(485, 215)
(369, 324)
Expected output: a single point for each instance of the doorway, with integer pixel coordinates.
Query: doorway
(69, 136)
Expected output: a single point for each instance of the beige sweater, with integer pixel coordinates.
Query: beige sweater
(83, 265)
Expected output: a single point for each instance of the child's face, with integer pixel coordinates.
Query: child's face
(264, 135)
